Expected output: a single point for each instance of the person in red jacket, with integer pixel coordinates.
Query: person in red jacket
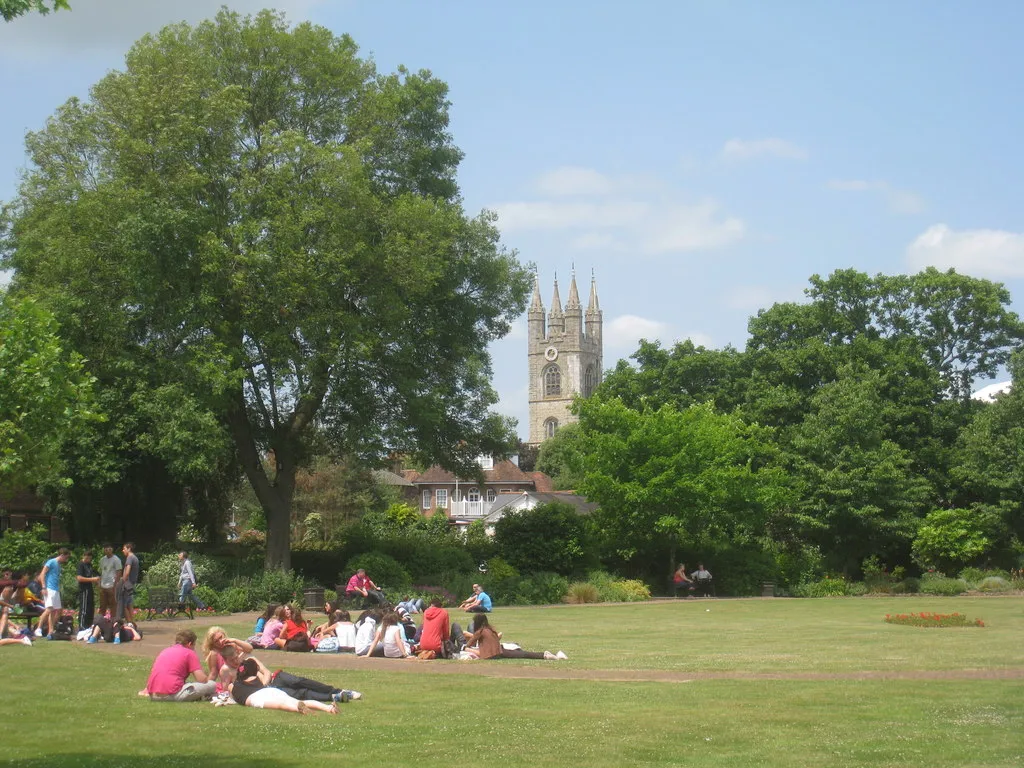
(436, 628)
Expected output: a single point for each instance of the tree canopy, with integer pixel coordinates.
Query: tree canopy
(12, 9)
(251, 231)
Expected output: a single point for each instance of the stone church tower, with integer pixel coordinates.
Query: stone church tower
(564, 357)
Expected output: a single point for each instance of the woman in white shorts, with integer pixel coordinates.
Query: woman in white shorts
(250, 690)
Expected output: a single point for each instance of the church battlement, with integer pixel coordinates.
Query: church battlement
(565, 356)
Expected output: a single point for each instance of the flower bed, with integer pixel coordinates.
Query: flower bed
(932, 620)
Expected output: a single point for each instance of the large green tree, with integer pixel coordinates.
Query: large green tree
(250, 215)
(692, 476)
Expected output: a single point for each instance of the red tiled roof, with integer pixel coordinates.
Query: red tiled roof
(542, 482)
(503, 472)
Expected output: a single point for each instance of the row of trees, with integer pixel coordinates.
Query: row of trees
(844, 430)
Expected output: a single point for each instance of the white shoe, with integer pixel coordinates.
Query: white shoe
(561, 656)
(26, 640)
(549, 656)
(354, 695)
(38, 632)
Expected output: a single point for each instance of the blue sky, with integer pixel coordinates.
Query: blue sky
(702, 158)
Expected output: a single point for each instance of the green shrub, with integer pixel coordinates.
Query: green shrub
(26, 550)
(164, 571)
(582, 592)
(272, 587)
(972, 575)
(612, 590)
(386, 572)
(208, 595)
(235, 600)
(909, 586)
(828, 586)
(938, 584)
(141, 597)
(857, 588)
(542, 589)
(993, 584)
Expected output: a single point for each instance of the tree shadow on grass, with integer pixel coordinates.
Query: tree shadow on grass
(82, 759)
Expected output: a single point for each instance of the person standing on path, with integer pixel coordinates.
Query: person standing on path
(126, 584)
(86, 577)
(110, 570)
(187, 582)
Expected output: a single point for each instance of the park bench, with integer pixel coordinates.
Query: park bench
(163, 601)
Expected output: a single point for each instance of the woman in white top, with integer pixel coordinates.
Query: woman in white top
(366, 631)
(392, 635)
(345, 631)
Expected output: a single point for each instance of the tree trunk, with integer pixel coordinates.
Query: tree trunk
(275, 496)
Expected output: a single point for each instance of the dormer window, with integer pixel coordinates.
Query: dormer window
(485, 462)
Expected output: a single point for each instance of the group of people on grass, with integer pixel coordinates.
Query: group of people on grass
(24, 597)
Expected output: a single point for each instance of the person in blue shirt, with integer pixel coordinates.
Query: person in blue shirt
(478, 602)
(50, 578)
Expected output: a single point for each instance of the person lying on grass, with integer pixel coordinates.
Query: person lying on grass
(255, 686)
(213, 646)
(485, 643)
(113, 631)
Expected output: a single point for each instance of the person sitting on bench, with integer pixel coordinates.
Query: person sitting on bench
(360, 584)
(702, 578)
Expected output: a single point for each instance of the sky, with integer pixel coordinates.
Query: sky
(702, 159)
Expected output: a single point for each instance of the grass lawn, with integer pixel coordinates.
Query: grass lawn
(746, 683)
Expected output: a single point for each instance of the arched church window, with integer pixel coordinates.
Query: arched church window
(552, 381)
(588, 381)
(550, 427)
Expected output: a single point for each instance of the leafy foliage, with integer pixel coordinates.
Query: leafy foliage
(951, 538)
(250, 223)
(550, 537)
(384, 570)
(25, 551)
(11, 9)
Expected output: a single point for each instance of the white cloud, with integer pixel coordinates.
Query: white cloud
(573, 180)
(741, 149)
(636, 215)
(622, 335)
(990, 253)
(897, 200)
(748, 298)
(113, 25)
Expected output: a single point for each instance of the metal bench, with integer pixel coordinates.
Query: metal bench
(163, 601)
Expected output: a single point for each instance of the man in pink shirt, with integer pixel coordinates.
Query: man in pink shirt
(360, 584)
(171, 669)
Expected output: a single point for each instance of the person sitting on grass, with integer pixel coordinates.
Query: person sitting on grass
(4, 640)
(273, 628)
(478, 602)
(171, 670)
(437, 628)
(485, 643)
(366, 630)
(389, 640)
(256, 637)
(327, 628)
(340, 636)
(214, 643)
(295, 635)
(252, 689)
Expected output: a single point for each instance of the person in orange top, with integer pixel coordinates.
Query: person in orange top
(295, 635)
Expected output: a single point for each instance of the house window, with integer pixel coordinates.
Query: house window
(506, 490)
(490, 495)
(588, 381)
(550, 427)
(442, 498)
(485, 462)
(552, 381)
(473, 495)
(427, 496)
